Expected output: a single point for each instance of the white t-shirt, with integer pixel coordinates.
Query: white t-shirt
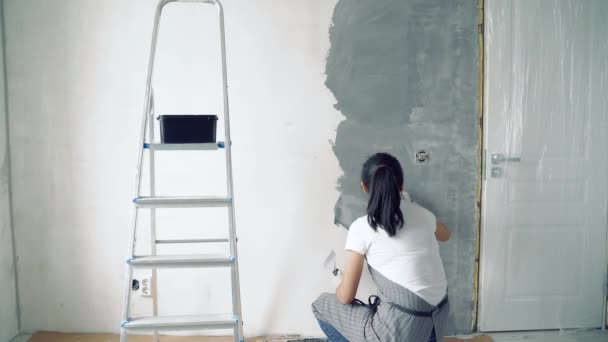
(410, 258)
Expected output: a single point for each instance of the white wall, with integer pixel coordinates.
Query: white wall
(8, 299)
(76, 84)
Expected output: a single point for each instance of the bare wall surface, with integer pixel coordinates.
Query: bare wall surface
(77, 72)
(404, 74)
(8, 299)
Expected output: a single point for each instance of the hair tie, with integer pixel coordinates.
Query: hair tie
(381, 166)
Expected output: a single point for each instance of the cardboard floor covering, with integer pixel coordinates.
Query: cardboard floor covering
(62, 337)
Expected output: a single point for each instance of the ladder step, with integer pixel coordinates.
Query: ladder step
(185, 147)
(191, 241)
(182, 261)
(177, 323)
(182, 202)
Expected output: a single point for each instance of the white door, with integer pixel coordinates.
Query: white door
(543, 247)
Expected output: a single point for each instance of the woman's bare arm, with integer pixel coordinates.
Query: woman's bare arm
(347, 290)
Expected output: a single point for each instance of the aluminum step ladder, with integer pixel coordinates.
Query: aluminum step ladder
(158, 324)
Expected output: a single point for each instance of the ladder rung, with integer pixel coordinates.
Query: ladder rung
(185, 147)
(177, 323)
(182, 261)
(182, 202)
(191, 241)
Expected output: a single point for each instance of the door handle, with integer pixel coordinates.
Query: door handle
(498, 158)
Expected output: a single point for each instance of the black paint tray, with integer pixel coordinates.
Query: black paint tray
(187, 129)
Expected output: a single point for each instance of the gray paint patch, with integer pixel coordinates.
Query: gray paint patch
(4, 171)
(8, 302)
(404, 73)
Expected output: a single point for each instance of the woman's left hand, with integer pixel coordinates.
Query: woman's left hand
(336, 277)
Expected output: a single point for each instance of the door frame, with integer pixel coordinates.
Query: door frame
(480, 159)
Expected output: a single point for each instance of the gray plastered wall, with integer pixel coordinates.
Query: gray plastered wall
(9, 324)
(405, 75)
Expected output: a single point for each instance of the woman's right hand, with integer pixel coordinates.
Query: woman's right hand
(442, 233)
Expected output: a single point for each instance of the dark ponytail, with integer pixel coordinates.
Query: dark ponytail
(383, 176)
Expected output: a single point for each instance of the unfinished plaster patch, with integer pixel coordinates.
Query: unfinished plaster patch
(404, 74)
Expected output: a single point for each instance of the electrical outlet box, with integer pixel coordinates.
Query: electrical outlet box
(145, 286)
(422, 157)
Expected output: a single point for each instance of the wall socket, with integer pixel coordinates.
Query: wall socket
(145, 285)
(422, 157)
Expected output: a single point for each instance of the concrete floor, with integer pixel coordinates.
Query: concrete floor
(541, 336)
